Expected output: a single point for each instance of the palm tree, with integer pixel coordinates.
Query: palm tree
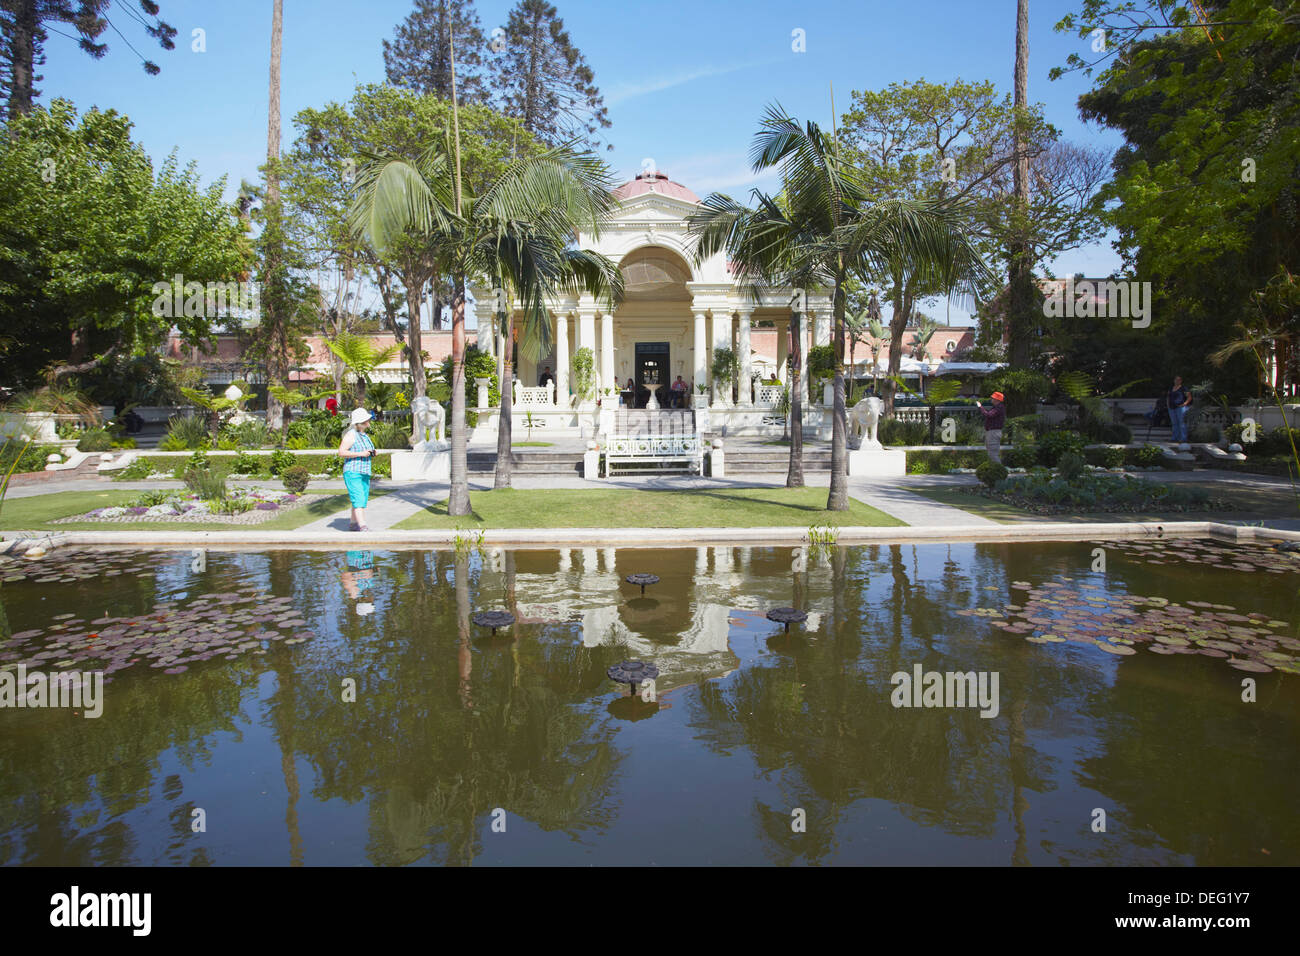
(362, 357)
(525, 245)
(925, 330)
(823, 229)
(277, 365)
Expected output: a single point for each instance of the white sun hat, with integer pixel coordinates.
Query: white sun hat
(360, 415)
(364, 608)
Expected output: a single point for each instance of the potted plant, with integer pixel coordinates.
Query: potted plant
(701, 396)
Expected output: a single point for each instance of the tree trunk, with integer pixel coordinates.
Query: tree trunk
(794, 477)
(1020, 318)
(458, 499)
(897, 326)
(838, 498)
(414, 338)
(505, 431)
(277, 364)
(22, 50)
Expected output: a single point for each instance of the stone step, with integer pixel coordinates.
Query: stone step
(532, 463)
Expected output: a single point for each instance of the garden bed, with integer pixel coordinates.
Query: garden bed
(1049, 494)
(258, 505)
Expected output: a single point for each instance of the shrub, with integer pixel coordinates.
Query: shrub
(282, 460)
(990, 473)
(1203, 432)
(95, 439)
(478, 364)
(821, 362)
(316, 429)
(1275, 442)
(185, 432)
(1106, 457)
(198, 460)
(234, 506)
(1115, 434)
(1149, 455)
(295, 479)
(249, 434)
(32, 458)
(1056, 443)
(138, 469)
(207, 484)
(920, 466)
(893, 432)
(1023, 455)
(155, 496)
(1071, 465)
(381, 465)
(246, 464)
(390, 434)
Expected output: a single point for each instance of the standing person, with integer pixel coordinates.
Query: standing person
(679, 393)
(1180, 399)
(356, 450)
(546, 378)
(995, 416)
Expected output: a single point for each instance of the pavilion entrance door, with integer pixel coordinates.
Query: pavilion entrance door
(652, 373)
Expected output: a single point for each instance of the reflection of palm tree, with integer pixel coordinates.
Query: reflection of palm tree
(282, 712)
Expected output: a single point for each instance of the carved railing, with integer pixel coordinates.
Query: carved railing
(540, 396)
(921, 413)
(768, 396)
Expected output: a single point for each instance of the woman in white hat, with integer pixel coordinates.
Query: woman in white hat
(356, 450)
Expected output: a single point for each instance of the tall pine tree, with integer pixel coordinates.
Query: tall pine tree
(419, 56)
(23, 36)
(543, 81)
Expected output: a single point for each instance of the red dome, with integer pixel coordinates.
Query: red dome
(654, 183)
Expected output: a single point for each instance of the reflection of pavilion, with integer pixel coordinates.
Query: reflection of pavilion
(681, 624)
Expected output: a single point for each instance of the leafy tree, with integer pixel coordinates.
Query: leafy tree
(23, 36)
(1203, 195)
(362, 357)
(544, 81)
(86, 231)
(419, 56)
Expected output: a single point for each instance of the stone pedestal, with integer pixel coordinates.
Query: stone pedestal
(717, 460)
(430, 464)
(878, 462)
(591, 462)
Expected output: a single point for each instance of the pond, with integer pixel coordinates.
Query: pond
(1123, 703)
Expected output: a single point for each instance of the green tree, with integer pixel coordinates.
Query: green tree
(362, 357)
(87, 230)
(419, 56)
(1203, 195)
(23, 37)
(544, 81)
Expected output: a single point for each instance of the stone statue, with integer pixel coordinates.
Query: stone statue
(864, 417)
(428, 418)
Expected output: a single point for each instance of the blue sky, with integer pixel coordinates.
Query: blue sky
(685, 82)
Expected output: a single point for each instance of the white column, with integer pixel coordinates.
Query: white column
(588, 561)
(805, 338)
(566, 560)
(822, 329)
(746, 392)
(701, 353)
(562, 360)
(609, 560)
(607, 377)
(782, 349)
(721, 340)
(701, 563)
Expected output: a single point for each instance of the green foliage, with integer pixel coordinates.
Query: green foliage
(478, 364)
(316, 429)
(1071, 465)
(95, 439)
(725, 367)
(391, 434)
(295, 479)
(82, 244)
(208, 484)
(1149, 455)
(185, 432)
(281, 460)
(382, 466)
(1021, 455)
(1057, 443)
(246, 464)
(137, 470)
(28, 457)
(1095, 491)
(583, 374)
(1107, 457)
(990, 473)
(891, 431)
(250, 434)
(1022, 387)
(821, 361)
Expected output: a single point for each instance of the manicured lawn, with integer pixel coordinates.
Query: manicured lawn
(36, 513)
(1253, 503)
(620, 508)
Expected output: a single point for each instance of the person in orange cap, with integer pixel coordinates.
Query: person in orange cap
(995, 416)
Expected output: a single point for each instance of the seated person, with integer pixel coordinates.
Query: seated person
(679, 393)
(546, 378)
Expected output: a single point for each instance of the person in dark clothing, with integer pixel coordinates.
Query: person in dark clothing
(546, 377)
(1180, 399)
(995, 416)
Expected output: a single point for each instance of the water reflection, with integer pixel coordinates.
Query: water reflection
(396, 733)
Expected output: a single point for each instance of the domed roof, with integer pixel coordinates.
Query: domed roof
(654, 183)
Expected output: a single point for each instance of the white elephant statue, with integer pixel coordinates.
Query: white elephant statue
(428, 425)
(864, 418)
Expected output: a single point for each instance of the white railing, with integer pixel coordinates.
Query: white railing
(540, 396)
(921, 414)
(768, 396)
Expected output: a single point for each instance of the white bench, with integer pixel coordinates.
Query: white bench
(654, 452)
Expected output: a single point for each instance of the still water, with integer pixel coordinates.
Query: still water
(341, 708)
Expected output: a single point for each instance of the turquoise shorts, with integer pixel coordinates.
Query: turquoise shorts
(358, 486)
